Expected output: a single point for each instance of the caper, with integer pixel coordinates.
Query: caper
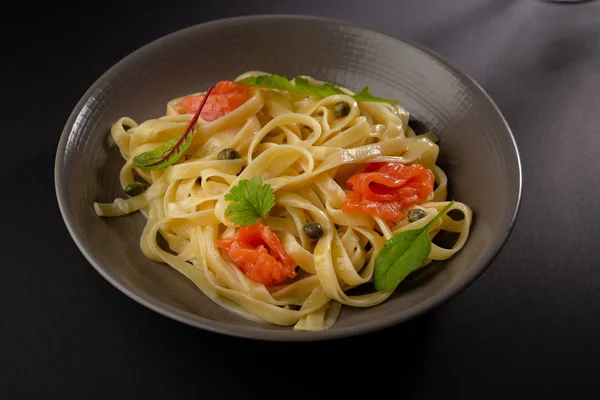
(341, 109)
(313, 230)
(228, 154)
(415, 214)
(135, 188)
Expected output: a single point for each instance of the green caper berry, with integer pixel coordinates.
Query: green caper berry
(135, 188)
(228, 154)
(341, 109)
(313, 230)
(415, 214)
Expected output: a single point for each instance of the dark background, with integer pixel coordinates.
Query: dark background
(529, 326)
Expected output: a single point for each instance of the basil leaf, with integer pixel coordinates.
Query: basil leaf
(303, 86)
(402, 254)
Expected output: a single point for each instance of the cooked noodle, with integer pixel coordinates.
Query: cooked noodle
(295, 144)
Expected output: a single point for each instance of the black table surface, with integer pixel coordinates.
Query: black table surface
(530, 325)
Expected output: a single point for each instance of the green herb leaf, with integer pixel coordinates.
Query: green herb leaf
(250, 201)
(303, 86)
(402, 254)
(168, 153)
(164, 155)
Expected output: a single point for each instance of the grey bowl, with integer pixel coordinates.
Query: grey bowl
(477, 151)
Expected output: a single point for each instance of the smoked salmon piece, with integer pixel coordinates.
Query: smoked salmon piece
(258, 252)
(226, 97)
(385, 190)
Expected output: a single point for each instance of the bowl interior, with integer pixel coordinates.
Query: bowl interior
(477, 152)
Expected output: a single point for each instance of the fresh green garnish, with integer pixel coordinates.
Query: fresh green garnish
(164, 155)
(402, 254)
(303, 86)
(250, 200)
(168, 153)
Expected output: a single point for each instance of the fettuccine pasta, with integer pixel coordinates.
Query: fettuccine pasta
(307, 151)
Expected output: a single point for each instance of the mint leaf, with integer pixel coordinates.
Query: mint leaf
(168, 153)
(303, 86)
(250, 201)
(402, 254)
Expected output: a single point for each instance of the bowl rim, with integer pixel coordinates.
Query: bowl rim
(258, 333)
